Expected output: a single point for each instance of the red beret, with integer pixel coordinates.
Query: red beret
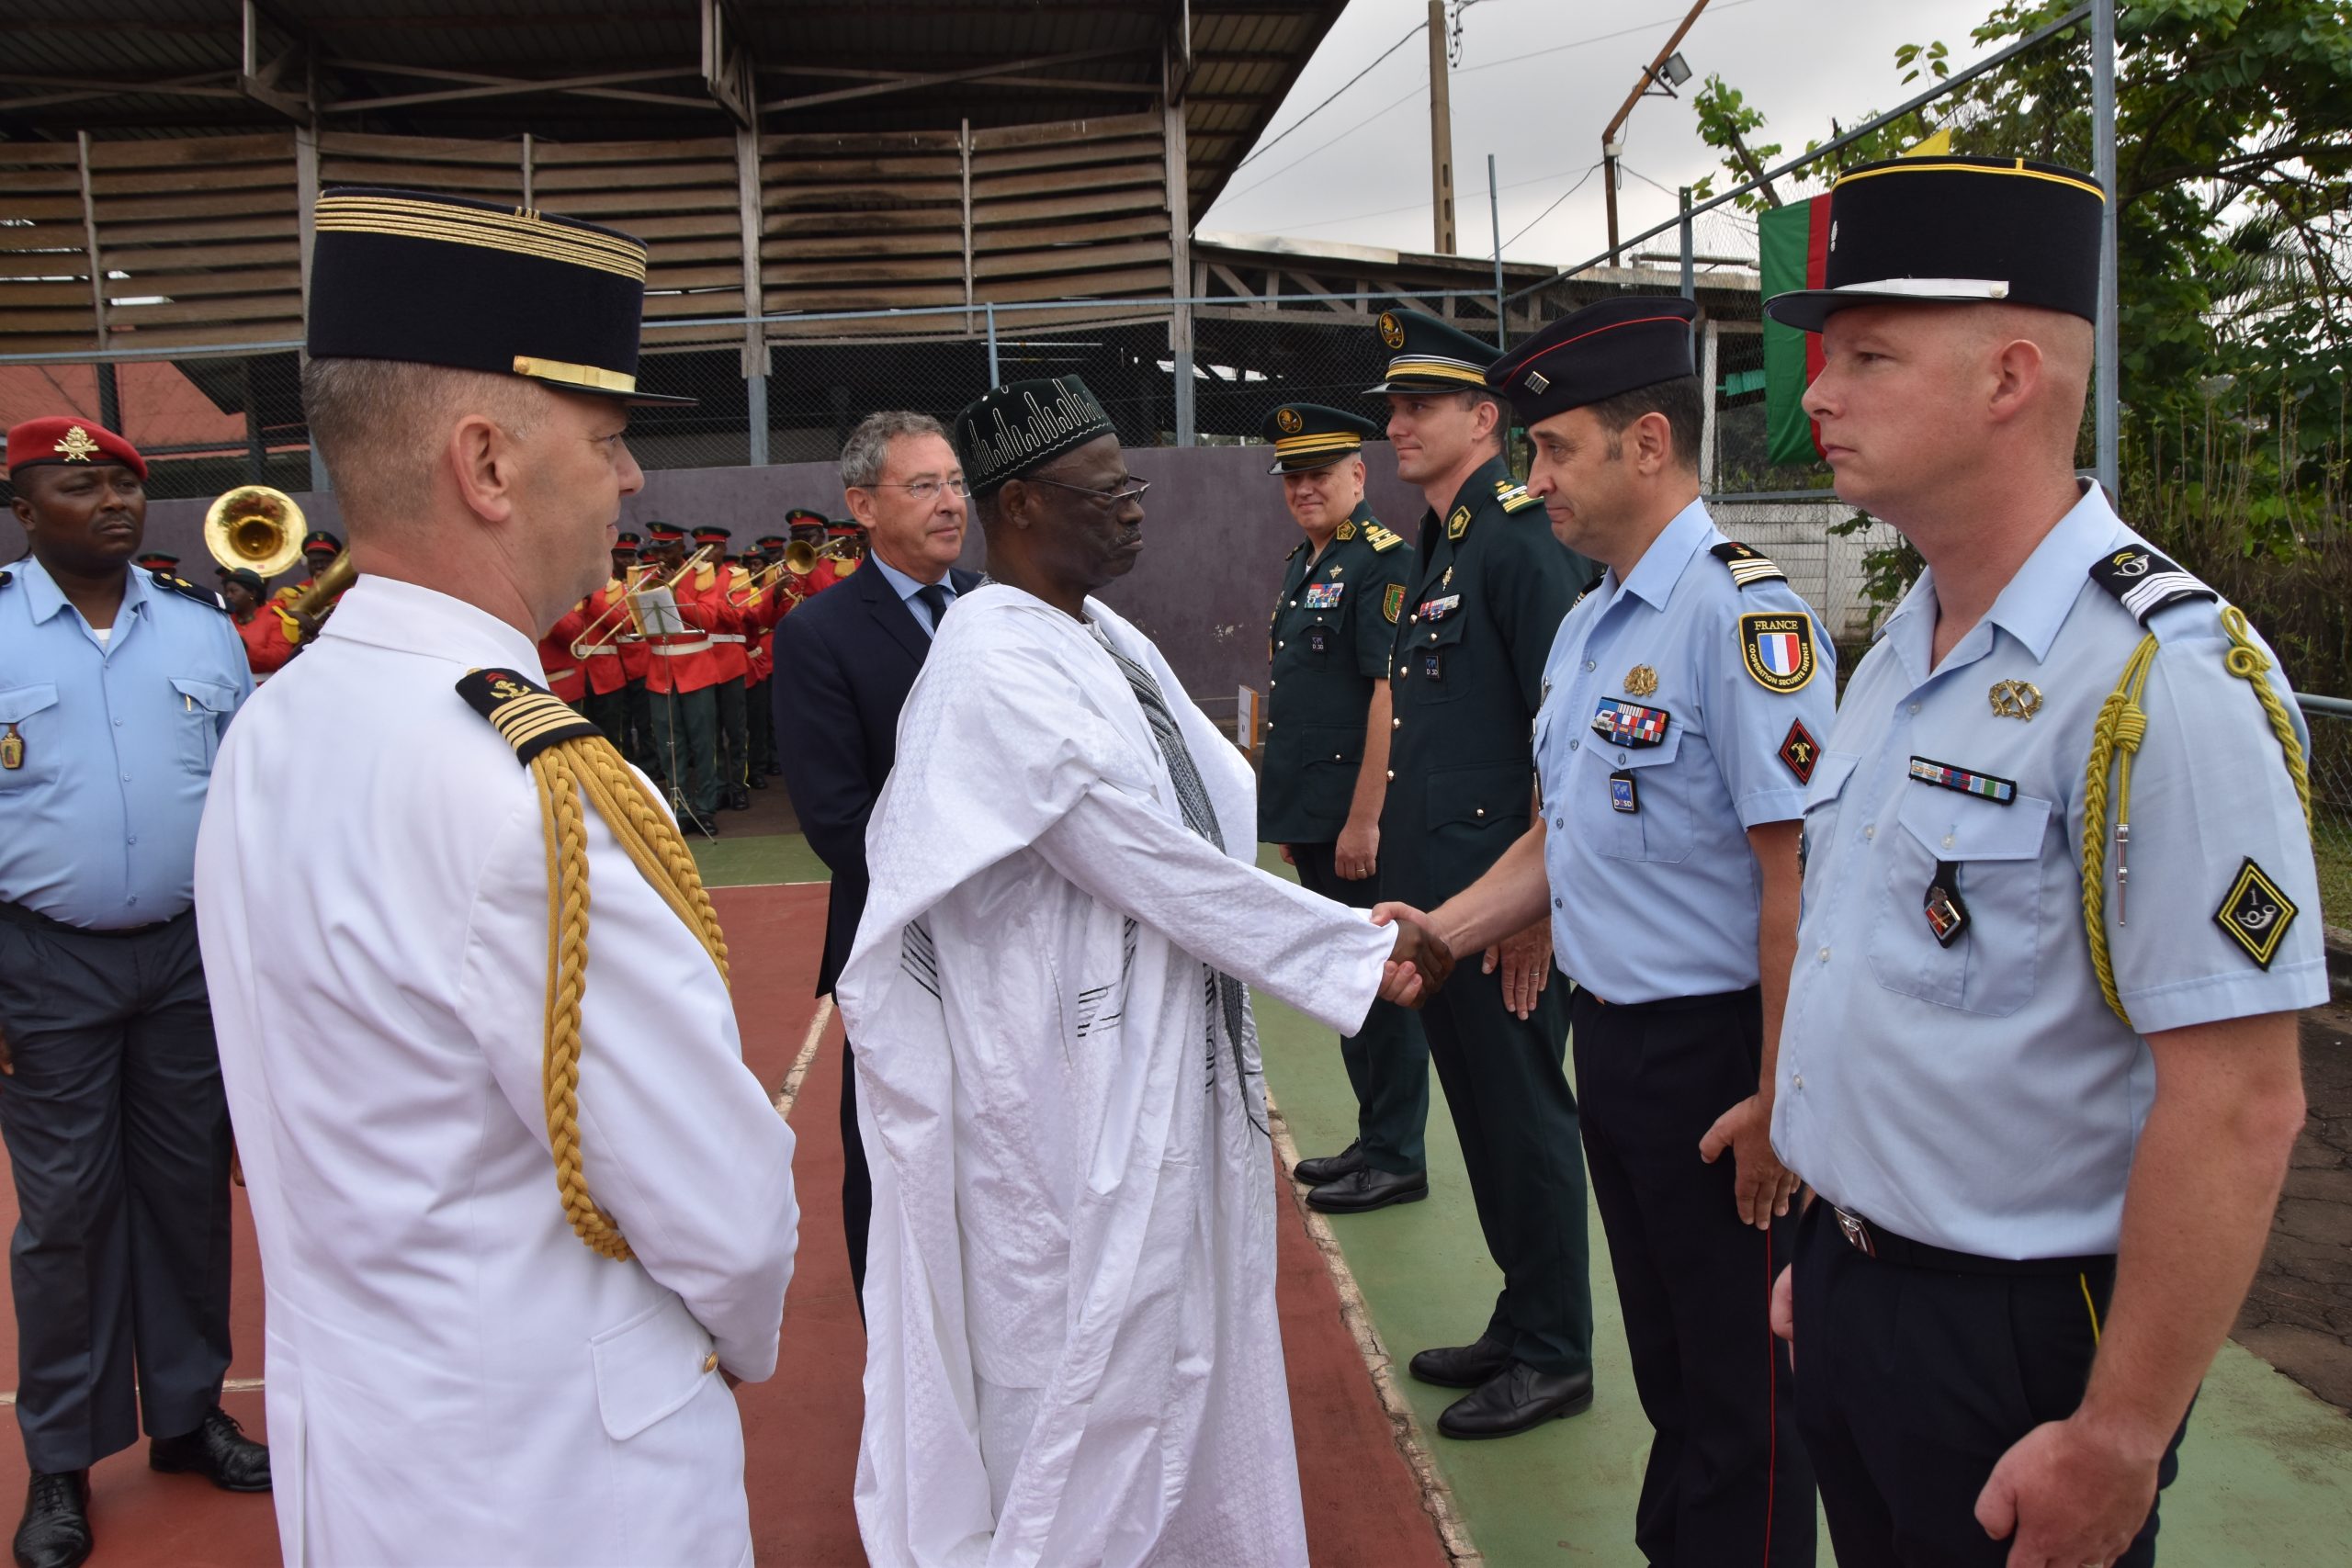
(65, 439)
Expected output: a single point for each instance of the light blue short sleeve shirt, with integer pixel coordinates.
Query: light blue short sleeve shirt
(114, 742)
(1981, 1095)
(1655, 889)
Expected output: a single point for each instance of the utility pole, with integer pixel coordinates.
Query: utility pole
(1611, 144)
(1440, 135)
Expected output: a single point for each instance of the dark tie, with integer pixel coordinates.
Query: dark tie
(935, 598)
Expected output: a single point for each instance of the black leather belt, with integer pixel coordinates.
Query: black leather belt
(1875, 1242)
(34, 920)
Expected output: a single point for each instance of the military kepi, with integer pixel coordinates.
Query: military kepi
(1426, 355)
(441, 280)
(1956, 231)
(1308, 436)
(1023, 426)
(67, 439)
(1614, 345)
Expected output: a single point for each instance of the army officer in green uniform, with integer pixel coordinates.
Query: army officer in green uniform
(1488, 586)
(1325, 771)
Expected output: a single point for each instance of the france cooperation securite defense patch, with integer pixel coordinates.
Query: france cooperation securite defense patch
(2256, 914)
(531, 718)
(1778, 651)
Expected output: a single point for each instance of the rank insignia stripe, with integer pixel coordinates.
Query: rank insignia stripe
(1800, 753)
(2256, 914)
(530, 718)
(1747, 568)
(2144, 581)
(1777, 650)
(1382, 539)
(1984, 786)
(1392, 603)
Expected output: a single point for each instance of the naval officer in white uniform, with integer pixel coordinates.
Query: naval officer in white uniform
(524, 1214)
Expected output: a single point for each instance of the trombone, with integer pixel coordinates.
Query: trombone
(758, 582)
(800, 558)
(597, 630)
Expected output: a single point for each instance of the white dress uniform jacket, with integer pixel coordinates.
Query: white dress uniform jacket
(453, 1377)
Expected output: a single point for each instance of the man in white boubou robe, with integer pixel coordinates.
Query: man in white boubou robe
(1073, 1354)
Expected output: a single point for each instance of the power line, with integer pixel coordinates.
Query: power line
(1598, 37)
(1303, 157)
(1410, 33)
(1423, 206)
(1547, 212)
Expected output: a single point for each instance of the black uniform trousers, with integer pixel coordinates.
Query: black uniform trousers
(1387, 1059)
(640, 748)
(685, 739)
(759, 718)
(1504, 1083)
(734, 738)
(1913, 1381)
(117, 1136)
(1727, 1481)
(608, 711)
(857, 1180)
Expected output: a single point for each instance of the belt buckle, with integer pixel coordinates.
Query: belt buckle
(1857, 1231)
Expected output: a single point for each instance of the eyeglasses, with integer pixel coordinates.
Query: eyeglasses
(927, 489)
(1130, 488)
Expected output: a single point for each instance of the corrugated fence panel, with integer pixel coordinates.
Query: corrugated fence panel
(197, 240)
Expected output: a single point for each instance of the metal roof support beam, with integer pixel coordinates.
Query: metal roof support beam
(1180, 242)
(204, 84)
(900, 81)
(728, 72)
(259, 81)
(598, 86)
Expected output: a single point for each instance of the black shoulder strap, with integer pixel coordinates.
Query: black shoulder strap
(531, 718)
(2144, 583)
(1748, 567)
(187, 589)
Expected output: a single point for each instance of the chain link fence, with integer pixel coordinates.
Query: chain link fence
(2329, 720)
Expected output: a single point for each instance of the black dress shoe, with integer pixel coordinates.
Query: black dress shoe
(1516, 1400)
(759, 781)
(774, 771)
(1365, 1190)
(1462, 1366)
(55, 1530)
(219, 1450)
(740, 800)
(1329, 1167)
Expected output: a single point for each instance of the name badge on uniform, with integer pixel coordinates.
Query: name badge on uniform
(1324, 595)
(1432, 666)
(1946, 916)
(1319, 640)
(1621, 794)
(1630, 724)
(1437, 609)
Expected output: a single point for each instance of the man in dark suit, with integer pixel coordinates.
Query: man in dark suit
(845, 661)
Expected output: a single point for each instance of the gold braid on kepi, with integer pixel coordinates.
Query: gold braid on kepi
(569, 758)
(2146, 582)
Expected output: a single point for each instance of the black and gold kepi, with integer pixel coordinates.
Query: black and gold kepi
(440, 281)
(1426, 355)
(1307, 436)
(1956, 232)
(1022, 426)
(1613, 345)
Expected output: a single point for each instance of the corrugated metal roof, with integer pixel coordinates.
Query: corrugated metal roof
(1246, 54)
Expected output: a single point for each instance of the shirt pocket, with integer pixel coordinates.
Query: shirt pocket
(1996, 853)
(19, 706)
(1820, 801)
(1659, 829)
(1474, 814)
(1436, 646)
(203, 704)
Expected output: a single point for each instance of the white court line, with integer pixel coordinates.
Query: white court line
(730, 886)
(791, 1089)
(234, 1385)
(1404, 1427)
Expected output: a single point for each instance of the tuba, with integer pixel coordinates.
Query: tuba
(255, 527)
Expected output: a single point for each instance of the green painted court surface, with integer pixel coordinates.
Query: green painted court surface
(2265, 1475)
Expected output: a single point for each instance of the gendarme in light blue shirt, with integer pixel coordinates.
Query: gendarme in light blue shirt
(1661, 900)
(1982, 1096)
(98, 822)
(906, 588)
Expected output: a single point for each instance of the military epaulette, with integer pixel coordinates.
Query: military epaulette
(1381, 538)
(187, 589)
(531, 718)
(1584, 594)
(6, 578)
(1295, 549)
(1748, 567)
(2143, 581)
(1514, 497)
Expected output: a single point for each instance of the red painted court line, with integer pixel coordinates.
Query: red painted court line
(801, 1428)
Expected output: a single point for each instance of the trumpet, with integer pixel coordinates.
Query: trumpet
(800, 558)
(597, 630)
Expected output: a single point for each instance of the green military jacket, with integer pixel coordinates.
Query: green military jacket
(1489, 589)
(1332, 628)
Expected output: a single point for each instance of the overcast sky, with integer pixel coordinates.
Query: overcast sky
(1536, 80)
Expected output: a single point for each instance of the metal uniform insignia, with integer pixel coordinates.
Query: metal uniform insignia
(1630, 724)
(1946, 916)
(1459, 523)
(1778, 651)
(1800, 751)
(1346, 531)
(1640, 681)
(1392, 603)
(1287, 420)
(77, 446)
(1447, 581)
(2256, 914)
(1622, 796)
(2020, 700)
(1391, 332)
(1984, 786)
(1323, 595)
(12, 749)
(1535, 380)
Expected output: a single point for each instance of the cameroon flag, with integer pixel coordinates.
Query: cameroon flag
(1794, 248)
